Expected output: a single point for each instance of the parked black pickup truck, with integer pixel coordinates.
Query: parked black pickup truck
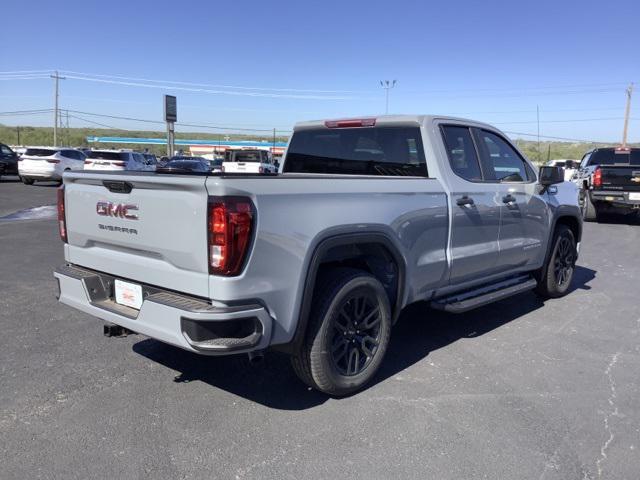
(609, 179)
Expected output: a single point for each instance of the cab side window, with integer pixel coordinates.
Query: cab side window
(461, 152)
(500, 161)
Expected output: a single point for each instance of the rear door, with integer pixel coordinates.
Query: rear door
(143, 227)
(474, 206)
(524, 215)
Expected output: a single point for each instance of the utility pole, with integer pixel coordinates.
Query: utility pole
(387, 85)
(18, 132)
(626, 115)
(56, 77)
(66, 129)
(538, 119)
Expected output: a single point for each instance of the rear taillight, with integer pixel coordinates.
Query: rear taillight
(53, 161)
(119, 164)
(222, 168)
(261, 170)
(62, 223)
(597, 178)
(230, 225)
(88, 162)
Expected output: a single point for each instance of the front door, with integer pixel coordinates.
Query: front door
(524, 214)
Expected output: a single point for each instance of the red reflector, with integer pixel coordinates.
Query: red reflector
(597, 177)
(53, 161)
(62, 221)
(351, 123)
(119, 164)
(230, 225)
(88, 162)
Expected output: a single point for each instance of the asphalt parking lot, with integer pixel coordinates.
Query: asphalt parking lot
(516, 390)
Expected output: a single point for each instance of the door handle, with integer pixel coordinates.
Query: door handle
(466, 200)
(509, 199)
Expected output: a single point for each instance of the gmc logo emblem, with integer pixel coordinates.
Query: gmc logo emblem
(118, 210)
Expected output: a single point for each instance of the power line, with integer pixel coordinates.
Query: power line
(236, 87)
(553, 138)
(95, 123)
(210, 126)
(209, 91)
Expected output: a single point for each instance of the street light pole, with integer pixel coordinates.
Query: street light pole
(387, 85)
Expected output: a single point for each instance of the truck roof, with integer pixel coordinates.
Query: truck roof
(392, 120)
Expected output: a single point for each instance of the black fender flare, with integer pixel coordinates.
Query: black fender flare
(563, 211)
(321, 248)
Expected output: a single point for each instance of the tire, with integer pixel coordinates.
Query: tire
(589, 210)
(555, 277)
(27, 181)
(343, 298)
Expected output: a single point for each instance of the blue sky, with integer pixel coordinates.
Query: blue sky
(267, 65)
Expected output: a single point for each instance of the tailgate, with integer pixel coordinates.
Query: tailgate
(621, 178)
(155, 234)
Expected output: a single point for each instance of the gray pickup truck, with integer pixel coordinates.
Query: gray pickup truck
(365, 217)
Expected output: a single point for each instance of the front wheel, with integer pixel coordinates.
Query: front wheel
(347, 335)
(556, 275)
(27, 181)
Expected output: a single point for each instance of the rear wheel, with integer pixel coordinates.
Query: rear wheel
(556, 275)
(27, 181)
(348, 333)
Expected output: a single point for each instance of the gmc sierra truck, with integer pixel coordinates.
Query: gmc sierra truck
(609, 179)
(365, 217)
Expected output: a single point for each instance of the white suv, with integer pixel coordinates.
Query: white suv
(248, 161)
(48, 163)
(117, 160)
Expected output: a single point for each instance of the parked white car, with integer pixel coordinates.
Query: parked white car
(570, 166)
(118, 160)
(248, 161)
(48, 163)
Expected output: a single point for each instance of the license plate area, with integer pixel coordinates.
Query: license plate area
(634, 196)
(128, 294)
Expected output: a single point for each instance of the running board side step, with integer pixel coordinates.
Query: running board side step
(468, 300)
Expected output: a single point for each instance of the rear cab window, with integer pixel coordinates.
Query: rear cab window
(612, 156)
(388, 151)
(461, 152)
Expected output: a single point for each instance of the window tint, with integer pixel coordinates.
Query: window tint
(40, 152)
(391, 151)
(501, 161)
(6, 150)
(462, 152)
(609, 156)
(106, 155)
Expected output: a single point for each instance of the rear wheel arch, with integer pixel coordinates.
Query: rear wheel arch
(370, 252)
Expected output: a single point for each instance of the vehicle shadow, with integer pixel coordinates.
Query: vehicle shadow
(419, 331)
(619, 219)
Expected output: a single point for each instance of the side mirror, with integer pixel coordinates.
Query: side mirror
(551, 175)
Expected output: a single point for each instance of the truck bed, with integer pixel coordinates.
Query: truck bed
(294, 212)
